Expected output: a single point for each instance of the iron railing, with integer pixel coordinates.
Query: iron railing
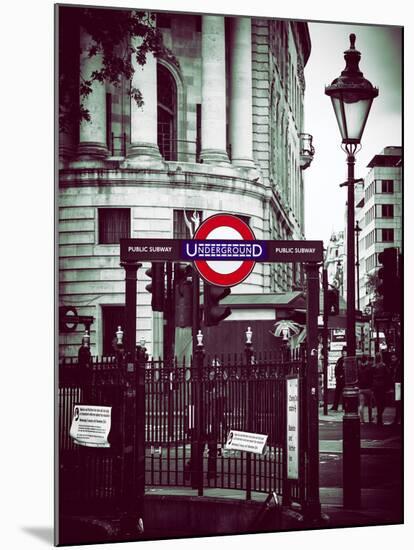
(189, 409)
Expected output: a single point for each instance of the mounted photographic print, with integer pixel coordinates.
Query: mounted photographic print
(229, 221)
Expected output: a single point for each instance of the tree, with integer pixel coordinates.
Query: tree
(372, 283)
(112, 32)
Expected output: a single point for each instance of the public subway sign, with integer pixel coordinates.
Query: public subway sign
(224, 250)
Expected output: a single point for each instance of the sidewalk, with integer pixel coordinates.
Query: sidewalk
(389, 444)
(380, 504)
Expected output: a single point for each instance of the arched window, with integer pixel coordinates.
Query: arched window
(167, 113)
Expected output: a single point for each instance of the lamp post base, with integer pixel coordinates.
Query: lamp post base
(351, 432)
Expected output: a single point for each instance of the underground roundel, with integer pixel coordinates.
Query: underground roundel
(229, 272)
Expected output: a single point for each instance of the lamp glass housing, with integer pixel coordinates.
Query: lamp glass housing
(351, 114)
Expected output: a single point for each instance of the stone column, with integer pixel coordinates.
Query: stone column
(66, 146)
(92, 133)
(213, 91)
(144, 132)
(241, 116)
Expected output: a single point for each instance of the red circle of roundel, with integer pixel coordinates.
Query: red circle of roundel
(202, 233)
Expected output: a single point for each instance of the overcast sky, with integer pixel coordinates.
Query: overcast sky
(381, 61)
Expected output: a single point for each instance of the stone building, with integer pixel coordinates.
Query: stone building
(334, 260)
(221, 130)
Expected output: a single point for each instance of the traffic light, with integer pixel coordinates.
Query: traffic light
(213, 312)
(157, 286)
(183, 293)
(332, 298)
(389, 280)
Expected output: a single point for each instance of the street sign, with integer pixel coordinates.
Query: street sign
(239, 242)
(336, 346)
(153, 250)
(245, 441)
(224, 250)
(338, 335)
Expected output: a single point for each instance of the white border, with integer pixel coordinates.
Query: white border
(27, 271)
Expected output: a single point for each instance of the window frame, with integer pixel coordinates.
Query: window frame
(104, 209)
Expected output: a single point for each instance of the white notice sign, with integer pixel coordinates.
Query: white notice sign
(292, 428)
(91, 425)
(331, 376)
(245, 441)
(397, 387)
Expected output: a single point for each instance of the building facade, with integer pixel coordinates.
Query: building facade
(334, 261)
(221, 129)
(379, 213)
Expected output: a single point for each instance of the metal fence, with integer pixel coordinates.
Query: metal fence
(189, 411)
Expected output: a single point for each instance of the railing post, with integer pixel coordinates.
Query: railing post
(199, 417)
(132, 521)
(325, 334)
(249, 413)
(313, 507)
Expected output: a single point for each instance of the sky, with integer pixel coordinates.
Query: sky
(381, 62)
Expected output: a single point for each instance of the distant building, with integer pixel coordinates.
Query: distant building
(334, 260)
(221, 130)
(379, 215)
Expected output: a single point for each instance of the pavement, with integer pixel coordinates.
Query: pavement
(381, 472)
(381, 491)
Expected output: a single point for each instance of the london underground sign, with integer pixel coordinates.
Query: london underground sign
(224, 237)
(224, 250)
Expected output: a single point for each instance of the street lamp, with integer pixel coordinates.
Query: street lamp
(352, 96)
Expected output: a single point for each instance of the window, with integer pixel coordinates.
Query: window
(198, 131)
(385, 235)
(113, 224)
(183, 221)
(109, 143)
(384, 186)
(371, 262)
(112, 318)
(245, 219)
(370, 239)
(387, 211)
(369, 192)
(167, 113)
(384, 211)
(163, 21)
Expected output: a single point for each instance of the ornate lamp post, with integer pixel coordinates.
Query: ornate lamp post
(352, 96)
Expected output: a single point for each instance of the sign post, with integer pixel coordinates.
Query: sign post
(312, 310)
(134, 477)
